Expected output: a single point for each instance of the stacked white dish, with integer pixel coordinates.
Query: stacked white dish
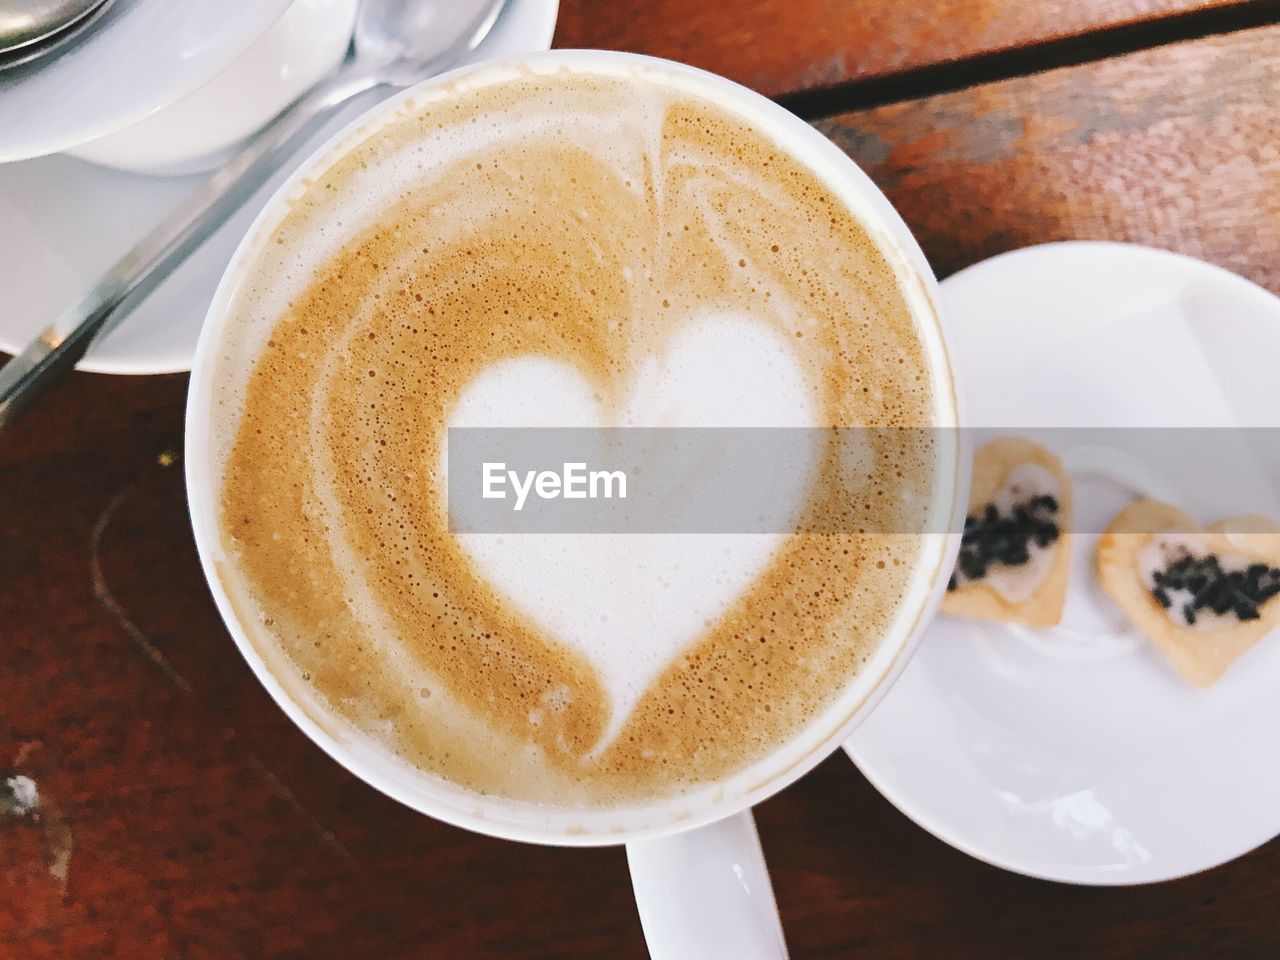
(159, 87)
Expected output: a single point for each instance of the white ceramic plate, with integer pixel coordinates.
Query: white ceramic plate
(141, 56)
(1076, 753)
(66, 221)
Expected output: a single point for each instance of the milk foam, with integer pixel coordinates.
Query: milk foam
(651, 595)
(528, 250)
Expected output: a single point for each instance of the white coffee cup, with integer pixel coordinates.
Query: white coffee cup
(698, 872)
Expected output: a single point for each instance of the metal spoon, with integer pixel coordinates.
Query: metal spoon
(396, 43)
(24, 22)
(60, 42)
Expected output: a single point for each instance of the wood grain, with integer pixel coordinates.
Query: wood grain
(1177, 147)
(781, 46)
(196, 822)
(203, 824)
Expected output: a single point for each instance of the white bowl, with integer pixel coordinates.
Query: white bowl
(140, 57)
(197, 131)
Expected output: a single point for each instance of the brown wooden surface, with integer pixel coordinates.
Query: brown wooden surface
(780, 46)
(184, 817)
(1177, 147)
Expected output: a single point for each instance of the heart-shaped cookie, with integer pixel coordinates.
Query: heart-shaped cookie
(1203, 596)
(1014, 554)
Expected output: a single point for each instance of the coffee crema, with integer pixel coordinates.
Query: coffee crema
(576, 226)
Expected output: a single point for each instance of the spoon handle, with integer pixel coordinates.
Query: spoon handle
(174, 239)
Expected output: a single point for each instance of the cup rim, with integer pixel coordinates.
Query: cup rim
(433, 795)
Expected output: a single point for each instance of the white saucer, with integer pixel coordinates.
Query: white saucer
(65, 222)
(141, 56)
(1077, 754)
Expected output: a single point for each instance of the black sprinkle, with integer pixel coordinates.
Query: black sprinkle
(1222, 592)
(991, 538)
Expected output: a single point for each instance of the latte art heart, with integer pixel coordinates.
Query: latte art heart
(558, 250)
(639, 599)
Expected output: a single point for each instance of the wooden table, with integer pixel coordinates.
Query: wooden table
(184, 817)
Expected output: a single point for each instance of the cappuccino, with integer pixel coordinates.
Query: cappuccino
(563, 249)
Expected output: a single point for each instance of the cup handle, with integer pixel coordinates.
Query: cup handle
(705, 894)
